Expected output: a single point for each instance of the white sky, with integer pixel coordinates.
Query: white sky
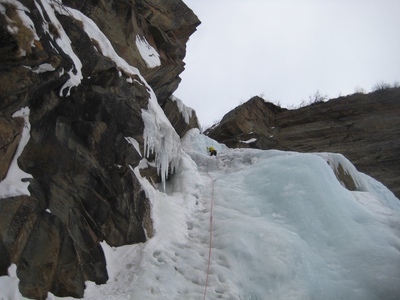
(286, 50)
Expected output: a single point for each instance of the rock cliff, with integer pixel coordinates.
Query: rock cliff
(363, 127)
(80, 81)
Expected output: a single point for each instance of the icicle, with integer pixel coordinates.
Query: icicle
(160, 138)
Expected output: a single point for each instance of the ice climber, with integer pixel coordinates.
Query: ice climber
(212, 151)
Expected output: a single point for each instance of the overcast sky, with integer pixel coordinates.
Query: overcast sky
(286, 50)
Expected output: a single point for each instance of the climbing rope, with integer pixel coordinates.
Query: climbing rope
(211, 224)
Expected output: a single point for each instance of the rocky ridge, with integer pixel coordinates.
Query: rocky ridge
(80, 85)
(363, 127)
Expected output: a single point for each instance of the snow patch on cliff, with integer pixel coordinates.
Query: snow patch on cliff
(16, 181)
(63, 41)
(147, 52)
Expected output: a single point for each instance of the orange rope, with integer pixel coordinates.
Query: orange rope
(211, 224)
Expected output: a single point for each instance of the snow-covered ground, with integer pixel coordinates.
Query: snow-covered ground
(283, 228)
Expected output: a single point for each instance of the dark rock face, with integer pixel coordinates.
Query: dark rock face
(11, 134)
(364, 128)
(82, 190)
(166, 24)
(181, 117)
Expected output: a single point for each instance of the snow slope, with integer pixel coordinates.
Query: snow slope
(283, 228)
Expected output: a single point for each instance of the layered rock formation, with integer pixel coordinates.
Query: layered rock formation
(363, 127)
(77, 78)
